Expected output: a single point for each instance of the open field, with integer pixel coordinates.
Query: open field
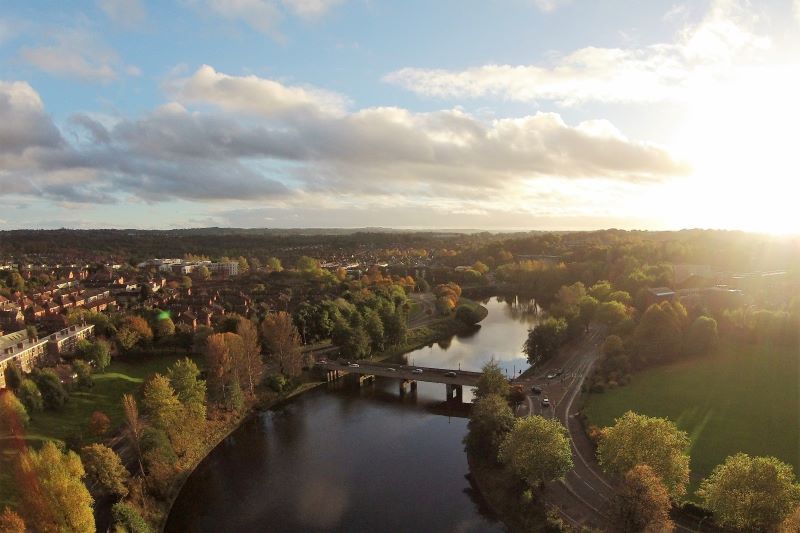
(121, 377)
(738, 398)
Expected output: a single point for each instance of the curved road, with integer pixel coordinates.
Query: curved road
(584, 493)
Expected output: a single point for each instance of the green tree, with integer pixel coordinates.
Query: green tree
(489, 421)
(702, 335)
(184, 376)
(127, 519)
(641, 503)
(373, 325)
(396, 327)
(53, 392)
(545, 339)
(186, 282)
(165, 327)
(13, 416)
(307, 265)
(105, 474)
(750, 493)
(84, 372)
(611, 313)
(160, 402)
(468, 315)
(55, 498)
(29, 394)
(273, 264)
(587, 310)
(492, 381)
(203, 273)
(601, 290)
(536, 450)
(17, 282)
(100, 353)
(659, 335)
(14, 377)
(636, 439)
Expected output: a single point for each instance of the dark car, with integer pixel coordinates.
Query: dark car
(450, 374)
(536, 390)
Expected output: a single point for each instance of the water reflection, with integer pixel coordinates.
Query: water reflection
(349, 459)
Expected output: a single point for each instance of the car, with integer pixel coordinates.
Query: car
(354, 365)
(417, 371)
(321, 362)
(390, 369)
(552, 375)
(536, 390)
(545, 402)
(450, 374)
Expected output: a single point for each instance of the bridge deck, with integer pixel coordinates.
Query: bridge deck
(398, 371)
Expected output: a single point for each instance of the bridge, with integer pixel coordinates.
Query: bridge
(408, 376)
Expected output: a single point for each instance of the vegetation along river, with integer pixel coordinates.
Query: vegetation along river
(347, 459)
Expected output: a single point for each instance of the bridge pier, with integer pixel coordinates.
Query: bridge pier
(332, 375)
(360, 379)
(406, 385)
(455, 393)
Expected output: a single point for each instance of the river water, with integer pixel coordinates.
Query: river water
(347, 459)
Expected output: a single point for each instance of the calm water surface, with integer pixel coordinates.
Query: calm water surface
(345, 459)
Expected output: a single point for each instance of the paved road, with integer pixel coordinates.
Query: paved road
(397, 371)
(584, 494)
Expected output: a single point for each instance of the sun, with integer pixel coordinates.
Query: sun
(741, 138)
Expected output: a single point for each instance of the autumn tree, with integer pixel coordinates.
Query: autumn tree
(133, 428)
(160, 402)
(165, 327)
(641, 503)
(223, 350)
(30, 395)
(11, 522)
(135, 330)
(251, 367)
(636, 439)
(128, 519)
(191, 390)
(105, 474)
(792, 522)
(59, 500)
(489, 421)
(99, 423)
(273, 264)
(750, 493)
(282, 342)
(13, 416)
(536, 450)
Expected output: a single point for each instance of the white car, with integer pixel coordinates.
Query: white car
(545, 402)
(353, 365)
(417, 371)
(552, 375)
(390, 369)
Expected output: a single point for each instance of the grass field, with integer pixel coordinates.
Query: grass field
(121, 377)
(738, 398)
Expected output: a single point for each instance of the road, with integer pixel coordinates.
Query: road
(398, 371)
(584, 494)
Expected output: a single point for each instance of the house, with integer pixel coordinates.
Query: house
(63, 341)
(654, 295)
(19, 349)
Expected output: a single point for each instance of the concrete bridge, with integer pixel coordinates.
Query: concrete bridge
(408, 376)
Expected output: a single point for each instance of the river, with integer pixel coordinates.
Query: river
(340, 458)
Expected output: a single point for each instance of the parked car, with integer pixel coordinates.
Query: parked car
(450, 374)
(545, 402)
(536, 390)
(417, 371)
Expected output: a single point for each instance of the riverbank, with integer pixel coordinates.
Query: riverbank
(434, 331)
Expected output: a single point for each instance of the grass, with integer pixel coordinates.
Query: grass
(737, 398)
(121, 377)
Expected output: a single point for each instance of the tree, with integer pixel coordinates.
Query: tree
(29, 394)
(53, 392)
(792, 522)
(283, 342)
(184, 377)
(611, 313)
(252, 365)
(84, 372)
(750, 493)
(516, 395)
(491, 381)
(244, 265)
(702, 335)
(235, 400)
(99, 423)
(105, 474)
(17, 282)
(56, 498)
(537, 449)
(204, 273)
(489, 421)
(480, 267)
(641, 503)
(128, 519)
(11, 522)
(307, 265)
(14, 377)
(273, 264)
(545, 339)
(373, 325)
(165, 327)
(395, 327)
(186, 282)
(601, 290)
(468, 315)
(656, 442)
(13, 416)
(219, 361)
(160, 402)
(133, 428)
(659, 335)
(100, 353)
(135, 330)
(357, 343)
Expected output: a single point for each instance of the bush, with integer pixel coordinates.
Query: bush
(468, 314)
(127, 518)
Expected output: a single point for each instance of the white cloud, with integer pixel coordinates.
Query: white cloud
(652, 73)
(75, 53)
(310, 9)
(549, 6)
(126, 13)
(265, 16)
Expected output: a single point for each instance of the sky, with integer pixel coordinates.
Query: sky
(492, 114)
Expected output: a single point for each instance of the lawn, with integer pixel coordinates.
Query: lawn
(120, 377)
(738, 398)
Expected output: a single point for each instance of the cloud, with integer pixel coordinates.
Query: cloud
(251, 94)
(125, 13)
(658, 72)
(75, 53)
(549, 6)
(248, 138)
(265, 16)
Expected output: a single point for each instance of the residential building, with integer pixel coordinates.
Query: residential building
(18, 349)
